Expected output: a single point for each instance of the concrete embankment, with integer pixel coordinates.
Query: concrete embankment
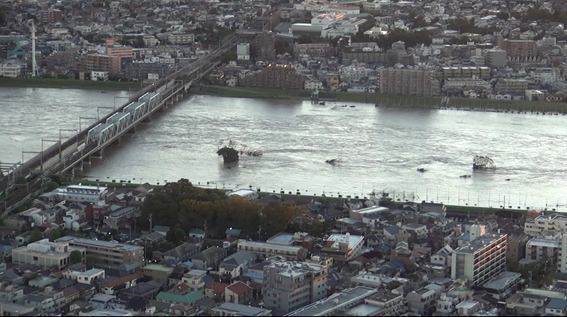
(393, 101)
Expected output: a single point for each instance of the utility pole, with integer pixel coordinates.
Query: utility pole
(150, 218)
(205, 230)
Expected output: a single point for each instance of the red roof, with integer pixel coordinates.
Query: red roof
(70, 291)
(239, 288)
(181, 287)
(217, 287)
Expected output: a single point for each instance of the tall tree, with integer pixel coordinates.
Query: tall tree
(76, 257)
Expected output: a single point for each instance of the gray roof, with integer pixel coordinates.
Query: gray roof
(208, 254)
(393, 230)
(243, 310)
(239, 258)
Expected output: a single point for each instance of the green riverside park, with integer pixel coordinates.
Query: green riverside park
(455, 209)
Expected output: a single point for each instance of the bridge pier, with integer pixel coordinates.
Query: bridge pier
(78, 166)
(87, 160)
(148, 118)
(98, 154)
(132, 131)
(117, 141)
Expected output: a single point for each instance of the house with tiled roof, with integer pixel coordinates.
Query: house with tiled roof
(238, 293)
(215, 290)
(181, 289)
(209, 258)
(110, 286)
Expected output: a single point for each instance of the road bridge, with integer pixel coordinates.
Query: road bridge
(91, 141)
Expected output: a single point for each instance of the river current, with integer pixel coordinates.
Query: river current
(379, 148)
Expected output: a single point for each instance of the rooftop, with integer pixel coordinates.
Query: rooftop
(543, 243)
(99, 243)
(503, 280)
(157, 267)
(352, 240)
(364, 310)
(328, 307)
(468, 304)
(242, 310)
(479, 243)
(265, 245)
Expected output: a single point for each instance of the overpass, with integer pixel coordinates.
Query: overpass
(28, 177)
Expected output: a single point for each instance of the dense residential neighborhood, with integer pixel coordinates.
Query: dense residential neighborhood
(110, 250)
(503, 50)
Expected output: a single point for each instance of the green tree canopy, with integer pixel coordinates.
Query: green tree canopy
(55, 234)
(76, 257)
(36, 235)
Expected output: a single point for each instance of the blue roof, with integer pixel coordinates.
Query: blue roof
(255, 276)
(188, 263)
(208, 279)
(557, 303)
(173, 261)
(385, 247)
(396, 264)
(465, 236)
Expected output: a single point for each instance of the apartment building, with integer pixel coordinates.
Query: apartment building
(291, 285)
(194, 279)
(518, 48)
(243, 51)
(108, 252)
(265, 45)
(516, 247)
(391, 304)
(49, 16)
(364, 55)
(120, 51)
(360, 214)
(544, 223)
(480, 260)
(463, 72)
(181, 38)
(274, 76)
(141, 70)
(10, 70)
(511, 86)
(82, 193)
(158, 273)
(46, 254)
(414, 82)
(421, 301)
(99, 62)
(542, 249)
(342, 247)
(496, 57)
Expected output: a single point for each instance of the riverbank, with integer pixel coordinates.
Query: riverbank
(381, 100)
(451, 209)
(69, 84)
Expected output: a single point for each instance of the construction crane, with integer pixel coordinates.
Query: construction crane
(35, 72)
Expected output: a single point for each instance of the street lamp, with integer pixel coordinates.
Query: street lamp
(98, 111)
(84, 118)
(119, 97)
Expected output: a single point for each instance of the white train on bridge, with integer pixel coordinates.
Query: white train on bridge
(121, 121)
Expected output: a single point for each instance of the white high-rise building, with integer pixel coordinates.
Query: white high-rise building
(482, 259)
(243, 51)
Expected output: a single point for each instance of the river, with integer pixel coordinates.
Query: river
(380, 148)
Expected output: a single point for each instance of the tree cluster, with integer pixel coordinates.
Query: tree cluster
(410, 38)
(180, 205)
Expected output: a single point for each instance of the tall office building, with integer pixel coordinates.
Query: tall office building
(482, 259)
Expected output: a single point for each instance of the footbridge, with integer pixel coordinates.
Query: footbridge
(27, 177)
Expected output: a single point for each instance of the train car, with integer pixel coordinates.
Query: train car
(94, 133)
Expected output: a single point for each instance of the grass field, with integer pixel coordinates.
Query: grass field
(68, 83)
(384, 100)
